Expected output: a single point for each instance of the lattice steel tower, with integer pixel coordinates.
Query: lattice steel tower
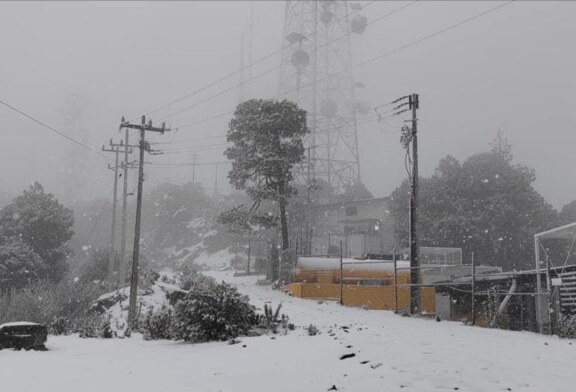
(315, 73)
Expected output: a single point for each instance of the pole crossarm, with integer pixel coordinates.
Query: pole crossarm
(144, 126)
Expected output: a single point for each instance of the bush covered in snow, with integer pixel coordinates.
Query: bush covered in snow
(96, 327)
(195, 279)
(567, 327)
(157, 325)
(212, 312)
(62, 306)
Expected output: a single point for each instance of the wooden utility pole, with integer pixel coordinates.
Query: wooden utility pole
(194, 155)
(126, 149)
(249, 254)
(308, 201)
(216, 181)
(395, 259)
(143, 146)
(341, 276)
(112, 257)
(122, 267)
(473, 290)
(115, 148)
(414, 243)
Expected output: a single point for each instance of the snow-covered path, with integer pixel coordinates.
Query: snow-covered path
(392, 353)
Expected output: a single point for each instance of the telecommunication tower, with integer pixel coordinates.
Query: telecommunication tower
(315, 73)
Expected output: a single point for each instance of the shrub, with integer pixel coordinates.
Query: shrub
(312, 330)
(62, 306)
(156, 326)
(212, 312)
(567, 327)
(270, 320)
(95, 327)
(194, 279)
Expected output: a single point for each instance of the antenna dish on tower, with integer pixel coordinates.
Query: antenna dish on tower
(295, 37)
(358, 24)
(327, 17)
(300, 59)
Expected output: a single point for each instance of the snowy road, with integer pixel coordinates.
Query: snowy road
(392, 353)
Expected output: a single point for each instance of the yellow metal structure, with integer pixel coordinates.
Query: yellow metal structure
(373, 289)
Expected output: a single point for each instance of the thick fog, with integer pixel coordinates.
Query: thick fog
(80, 66)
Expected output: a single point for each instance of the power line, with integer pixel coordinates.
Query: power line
(378, 57)
(280, 65)
(249, 65)
(69, 138)
(206, 146)
(191, 139)
(429, 36)
(362, 121)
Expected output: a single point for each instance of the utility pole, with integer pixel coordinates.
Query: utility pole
(216, 181)
(126, 149)
(249, 254)
(341, 276)
(395, 259)
(473, 290)
(144, 146)
(115, 148)
(308, 201)
(307, 249)
(414, 243)
(112, 257)
(194, 155)
(410, 136)
(122, 267)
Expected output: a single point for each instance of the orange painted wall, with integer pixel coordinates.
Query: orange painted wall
(373, 297)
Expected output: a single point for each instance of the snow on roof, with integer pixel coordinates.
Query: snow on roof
(18, 324)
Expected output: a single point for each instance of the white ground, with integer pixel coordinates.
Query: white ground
(403, 354)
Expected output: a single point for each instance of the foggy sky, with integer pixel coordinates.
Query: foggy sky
(81, 66)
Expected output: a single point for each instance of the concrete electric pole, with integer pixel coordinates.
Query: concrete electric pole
(143, 146)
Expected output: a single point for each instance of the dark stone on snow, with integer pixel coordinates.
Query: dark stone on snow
(23, 335)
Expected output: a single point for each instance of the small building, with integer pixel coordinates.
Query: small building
(374, 284)
(362, 226)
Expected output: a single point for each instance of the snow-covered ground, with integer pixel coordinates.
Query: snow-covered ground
(392, 353)
(216, 260)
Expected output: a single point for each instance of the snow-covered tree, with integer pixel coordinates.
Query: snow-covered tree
(40, 221)
(266, 138)
(19, 264)
(485, 205)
